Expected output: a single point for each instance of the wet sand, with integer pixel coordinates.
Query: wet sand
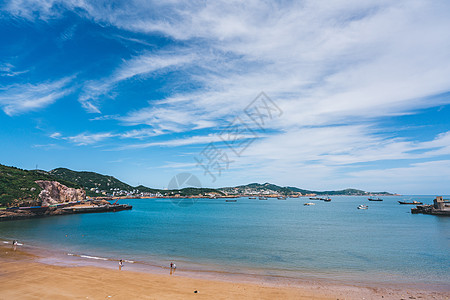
(22, 276)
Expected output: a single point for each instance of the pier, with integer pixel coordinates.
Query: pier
(440, 207)
(17, 213)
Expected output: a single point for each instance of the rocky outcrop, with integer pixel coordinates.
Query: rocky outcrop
(54, 192)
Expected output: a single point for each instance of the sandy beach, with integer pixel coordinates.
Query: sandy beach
(23, 277)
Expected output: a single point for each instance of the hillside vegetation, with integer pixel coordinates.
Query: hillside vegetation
(91, 180)
(19, 186)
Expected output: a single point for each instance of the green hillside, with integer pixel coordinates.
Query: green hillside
(91, 180)
(18, 186)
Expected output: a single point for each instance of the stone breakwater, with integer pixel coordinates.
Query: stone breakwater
(54, 192)
(45, 211)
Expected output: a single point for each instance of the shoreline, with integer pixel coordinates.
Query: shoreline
(26, 260)
(223, 272)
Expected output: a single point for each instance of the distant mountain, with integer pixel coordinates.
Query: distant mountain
(144, 189)
(256, 187)
(18, 186)
(91, 180)
(269, 188)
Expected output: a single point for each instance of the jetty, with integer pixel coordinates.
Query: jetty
(17, 213)
(440, 207)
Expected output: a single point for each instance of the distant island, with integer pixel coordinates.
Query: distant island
(22, 188)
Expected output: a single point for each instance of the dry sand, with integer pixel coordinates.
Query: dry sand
(22, 277)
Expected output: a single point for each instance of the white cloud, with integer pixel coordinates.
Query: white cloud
(83, 139)
(324, 64)
(56, 135)
(142, 65)
(192, 140)
(21, 98)
(7, 70)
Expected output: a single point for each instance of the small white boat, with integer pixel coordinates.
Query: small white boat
(362, 206)
(309, 203)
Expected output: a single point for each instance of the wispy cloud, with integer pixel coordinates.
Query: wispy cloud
(192, 140)
(142, 65)
(7, 70)
(68, 33)
(56, 135)
(20, 98)
(83, 139)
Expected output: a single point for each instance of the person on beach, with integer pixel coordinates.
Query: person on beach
(174, 267)
(120, 264)
(14, 243)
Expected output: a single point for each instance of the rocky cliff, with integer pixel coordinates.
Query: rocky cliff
(54, 192)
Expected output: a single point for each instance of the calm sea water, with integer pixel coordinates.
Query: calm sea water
(333, 240)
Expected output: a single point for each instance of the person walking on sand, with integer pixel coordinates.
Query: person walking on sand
(174, 268)
(120, 264)
(15, 242)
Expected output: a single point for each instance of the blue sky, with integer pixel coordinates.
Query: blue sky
(358, 91)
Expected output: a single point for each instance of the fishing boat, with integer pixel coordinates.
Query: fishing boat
(230, 200)
(314, 198)
(375, 199)
(412, 202)
(309, 203)
(281, 198)
(262, 198)
(251, 197)
(362, 206)
(327, 199)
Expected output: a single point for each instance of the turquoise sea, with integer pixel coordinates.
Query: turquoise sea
(275, 238)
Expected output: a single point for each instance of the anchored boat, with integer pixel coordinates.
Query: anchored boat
(375, 199)
(413, 202)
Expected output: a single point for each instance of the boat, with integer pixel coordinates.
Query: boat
(314, 198)
(251, 197)
(362, 206)
(309, 203)
(327, 199)
(375, 199)
(230, 200)
(262, 198)
(413, 202)
(281, 198)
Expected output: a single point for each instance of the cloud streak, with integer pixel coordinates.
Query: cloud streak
(21, 98)
(141, 65)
